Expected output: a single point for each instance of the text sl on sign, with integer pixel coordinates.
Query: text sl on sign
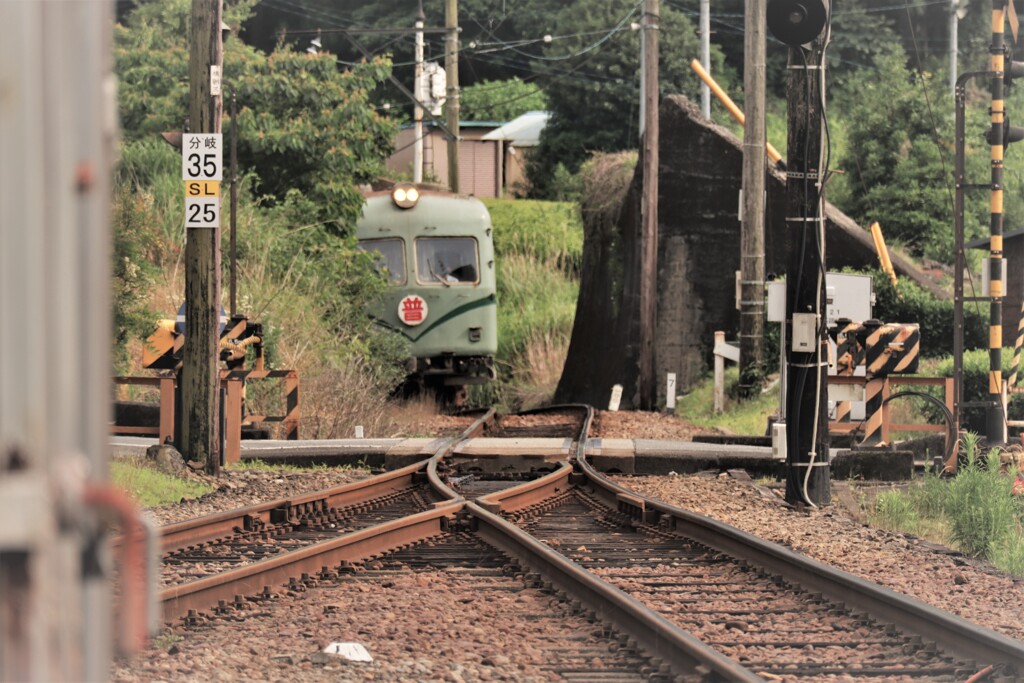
(202, 169)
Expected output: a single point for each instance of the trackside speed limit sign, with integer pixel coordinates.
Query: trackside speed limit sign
(201, 156)
(202, 169)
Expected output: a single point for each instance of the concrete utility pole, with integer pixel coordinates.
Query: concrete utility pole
(451, 106)
(647, 384)
(417, 112)
(752, 225)
(807, 443)
(199, 379)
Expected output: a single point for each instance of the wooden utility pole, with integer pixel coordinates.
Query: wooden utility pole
(752, 224)
(807, 440)
(451, 106)
(647, 385)
(199, 378)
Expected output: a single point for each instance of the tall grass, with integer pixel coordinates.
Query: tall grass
(739, 417)
(150, 487)
(533, 301)
(980, 506)
(550, 233)
(975, 511)
(896, 512)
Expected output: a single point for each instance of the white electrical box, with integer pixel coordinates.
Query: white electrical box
(805, 332)
(776, 309)
(848, 296)
(779, 441)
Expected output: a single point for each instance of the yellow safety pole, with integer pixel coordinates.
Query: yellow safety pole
(883, 252)
(995, 415)
(736, 112)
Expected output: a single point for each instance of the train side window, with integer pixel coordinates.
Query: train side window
(390, 257)
(447, 260)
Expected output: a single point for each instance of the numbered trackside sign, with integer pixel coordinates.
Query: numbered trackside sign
(202, 168)
(202, 212)
(202, 156)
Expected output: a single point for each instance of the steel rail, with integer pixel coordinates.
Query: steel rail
(220, 525)
(529, 493)
(436, 480)
(204, 593)
(658, 636)
(954, 633)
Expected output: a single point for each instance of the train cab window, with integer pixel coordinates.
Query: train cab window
(390, 257)
(447, 260)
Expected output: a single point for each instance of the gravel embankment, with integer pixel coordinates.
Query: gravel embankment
(242, 488)
(969, 588)
(453, 624)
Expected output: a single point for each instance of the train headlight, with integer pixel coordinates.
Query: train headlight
(405, 196)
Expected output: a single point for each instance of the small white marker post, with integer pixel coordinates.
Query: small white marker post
(616, 399)
(359, 431)
(353, 652)
(670, 392)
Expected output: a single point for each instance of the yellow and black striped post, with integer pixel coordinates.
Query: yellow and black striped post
(994, 422)
(873, 399)
(849, 355)
(1017, 345)
(889, 349)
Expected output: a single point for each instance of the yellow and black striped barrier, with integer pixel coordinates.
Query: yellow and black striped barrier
(849, 356)
(891, 348)
(1017, 345)
(883, 349)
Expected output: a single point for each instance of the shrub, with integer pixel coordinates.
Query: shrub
(976, 368)
(980, 507)
(908, 302)
(896, 512)
(548, 232)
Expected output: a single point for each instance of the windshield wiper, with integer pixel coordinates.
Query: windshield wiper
(437, 277)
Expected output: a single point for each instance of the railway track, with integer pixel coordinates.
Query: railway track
(691, 597)
(557, 638)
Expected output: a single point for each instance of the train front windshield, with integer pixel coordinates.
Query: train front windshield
(447, 260)
(391, 257)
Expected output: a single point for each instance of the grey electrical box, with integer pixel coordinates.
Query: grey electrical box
(805, 332)
(986, 275)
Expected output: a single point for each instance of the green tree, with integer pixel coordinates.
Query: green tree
(304, 124)
(500, 100)
(899, 155)
(593, 81)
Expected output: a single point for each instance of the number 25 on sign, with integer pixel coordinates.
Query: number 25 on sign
(202, 212)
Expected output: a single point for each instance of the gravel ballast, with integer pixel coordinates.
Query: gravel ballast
(938, 576)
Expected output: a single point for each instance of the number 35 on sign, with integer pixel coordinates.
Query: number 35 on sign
(202, 170)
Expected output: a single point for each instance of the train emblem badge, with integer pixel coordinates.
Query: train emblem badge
(412, 310)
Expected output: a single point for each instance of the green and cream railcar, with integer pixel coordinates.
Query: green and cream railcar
(438, 251)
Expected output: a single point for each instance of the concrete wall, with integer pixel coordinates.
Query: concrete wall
(698, 254)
